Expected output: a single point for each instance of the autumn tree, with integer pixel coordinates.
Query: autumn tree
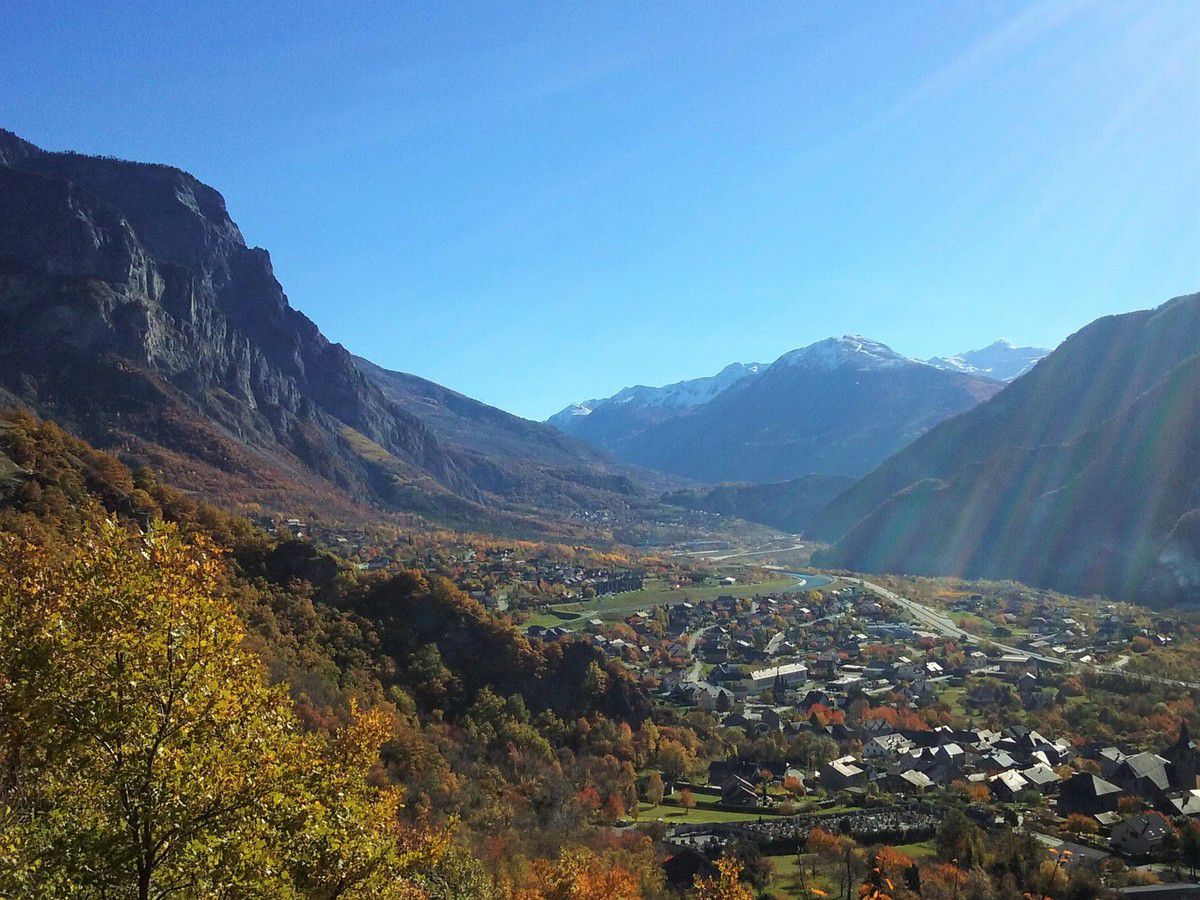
(1080, 824)
(579, 874)
(674, 760)
(959, 840)
(726, 884)
(144, 753)
(654, 789)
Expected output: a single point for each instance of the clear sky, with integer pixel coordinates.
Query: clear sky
(536, 204)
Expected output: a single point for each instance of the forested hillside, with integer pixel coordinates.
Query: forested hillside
(396, 689)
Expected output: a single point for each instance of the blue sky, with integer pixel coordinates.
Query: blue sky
(536, 204)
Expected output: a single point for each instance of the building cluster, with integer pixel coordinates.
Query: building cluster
(845, 666)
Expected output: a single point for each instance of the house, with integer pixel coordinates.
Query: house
(1142, 835)
(976, 660)
(1007, 785)
(709, 697)
(737, 791)
(1041, 778)
(887, 747)
(841, 774)
(671, 681)
(1087, 794)
(726, 672)
(1017, 664)
(908, 782)
(1144, 774)
(1181, 804)
(998, 761)
(1109, 758)
(721, 770)
(825, 665)
(735, 720)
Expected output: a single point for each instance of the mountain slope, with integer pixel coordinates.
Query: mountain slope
(1001, 361)
(838, 407)
(505, 453)
(787, 505)
(1083, 475)
(132, 311)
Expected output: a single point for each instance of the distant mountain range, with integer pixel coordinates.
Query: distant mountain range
(1001, 361)
(1083, 475)
(132, 312)
(838, 408)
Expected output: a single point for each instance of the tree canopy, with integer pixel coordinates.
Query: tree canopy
(145, 755)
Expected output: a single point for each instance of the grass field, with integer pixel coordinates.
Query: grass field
(787, 877)
(923, 850)
(646, 813)
(656, 593)
(954, 698)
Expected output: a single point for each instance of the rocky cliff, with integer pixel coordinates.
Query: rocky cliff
(132, 310)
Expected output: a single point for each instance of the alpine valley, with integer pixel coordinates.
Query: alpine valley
(278, 621)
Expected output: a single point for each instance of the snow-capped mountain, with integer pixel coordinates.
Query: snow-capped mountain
(836, 407)
(680, 395)
(1001, 361)
(850, 350)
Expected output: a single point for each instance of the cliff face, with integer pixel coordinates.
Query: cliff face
(132, 310)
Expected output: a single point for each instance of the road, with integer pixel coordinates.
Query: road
(693, 673)
(940, 622)
(759, 550)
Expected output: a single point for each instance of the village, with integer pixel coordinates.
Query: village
(838, 707)
(829, 702)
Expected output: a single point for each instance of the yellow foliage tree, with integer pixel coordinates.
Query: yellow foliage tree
(144, 754)
(726, 884)
(577, 874)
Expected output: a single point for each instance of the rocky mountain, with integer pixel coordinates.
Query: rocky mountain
(1077, 476)
(133, 312)
(838, 407)
(1001, 361)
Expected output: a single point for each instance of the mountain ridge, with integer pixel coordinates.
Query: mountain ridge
(133, 311)
(1074, 476)
(788, 419)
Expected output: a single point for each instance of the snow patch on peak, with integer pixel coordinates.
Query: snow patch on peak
(848, 351)
(680, 395)
(1001, 361)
